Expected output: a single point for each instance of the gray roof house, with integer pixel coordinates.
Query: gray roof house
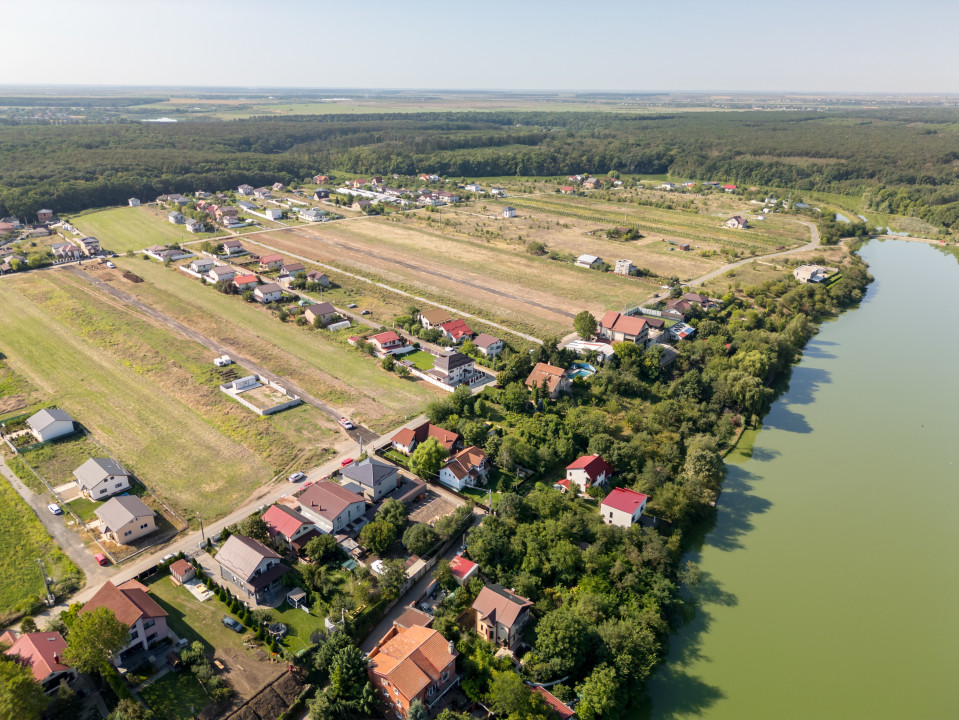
(50, 423)
(251, 566)
(126, 519)
(375, 477)
(100, 478)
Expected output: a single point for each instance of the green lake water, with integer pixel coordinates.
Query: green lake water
(831, 577)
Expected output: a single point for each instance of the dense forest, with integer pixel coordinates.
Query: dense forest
(903, 161)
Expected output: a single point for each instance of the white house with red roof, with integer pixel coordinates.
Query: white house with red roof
(468, 468)
(271, 262)
(623, 507)
(246, 282)
(386, 343)
(456, 331)
(729, 188)
(132, 606)
(617, 327)
(289, 527)
(43, 653)
(463, 569)
(588, 471)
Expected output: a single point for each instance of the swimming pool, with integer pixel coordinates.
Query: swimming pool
(581, 369)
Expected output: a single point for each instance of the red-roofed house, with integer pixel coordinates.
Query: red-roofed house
(271, 262)
(617, 327)
(456, 330)
(386, 343)
(289, 527)
(134, 608)
(245, 282)
(567, 190)
(623, 507)
(407, 439)
(729, 188)
(415, 663)
(589, 470)
(557, 379)
(564, 711)
(43, 652)
(467, 468)
(463, 569)
(321, 179)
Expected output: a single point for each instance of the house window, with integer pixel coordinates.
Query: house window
(127, 533)
(144, 525)
(446, 674)
(151, 637)
(119, 485)
(149, 624)
(134, 634)
(103, 490)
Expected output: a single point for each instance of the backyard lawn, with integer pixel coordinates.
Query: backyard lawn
(176, 696)
(422, 359)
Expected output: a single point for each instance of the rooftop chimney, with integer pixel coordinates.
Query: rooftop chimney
(452, 648)
(56, 658)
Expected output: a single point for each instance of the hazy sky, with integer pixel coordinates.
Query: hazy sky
(711, 45)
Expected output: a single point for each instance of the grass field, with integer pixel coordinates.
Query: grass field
(56, 460)
(17, 396)
(323, 366)
(422, 359)
(22, 540)
(134, 228)
(176, 696)
(149, 397)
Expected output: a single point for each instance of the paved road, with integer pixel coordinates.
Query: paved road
(358, 434)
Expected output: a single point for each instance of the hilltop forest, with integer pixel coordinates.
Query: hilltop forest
(901, 161)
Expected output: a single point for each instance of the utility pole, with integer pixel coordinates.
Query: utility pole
(47, 596)
(202, 536)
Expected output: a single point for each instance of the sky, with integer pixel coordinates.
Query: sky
(874, 46)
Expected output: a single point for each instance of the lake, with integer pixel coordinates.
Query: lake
(830, 585)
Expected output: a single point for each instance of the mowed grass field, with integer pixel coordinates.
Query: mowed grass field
(150, 397)
(323, 366)
(134, 228)
(22, 540)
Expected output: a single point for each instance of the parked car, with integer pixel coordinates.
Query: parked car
(347, 423)
(110, 265)
(351, 305)
(347, 461)
(55, 509)
(297, 476)
(232, 624)
(366, 312)
(101, 559)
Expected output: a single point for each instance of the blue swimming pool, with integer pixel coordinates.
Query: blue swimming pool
(581, 369)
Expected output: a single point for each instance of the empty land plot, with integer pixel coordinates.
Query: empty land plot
(136, 388)
(134, 228)
(329, 369)
(56, 460)
(17, 396)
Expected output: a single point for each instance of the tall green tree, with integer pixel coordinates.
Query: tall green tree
(21, 696)
(419, 538)
(585, 325)
(95, 637)
(427, 459)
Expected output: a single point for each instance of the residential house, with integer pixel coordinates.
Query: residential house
(729, 188)
(270, 292)
(221, 273)
(415, 663)
(498, 192)
(508, 212)
(624, 267)
(182, 571)
(386, 343)
(232, 247)
(292, 269)
(488, 345)
(377, 180)
(201, 194)
(407, 439)
(312, 215)
(411, 617)
(177, 218)
(223, 211)
(591, 262)
(321, 179)
(468, 468)
(448, 197)
(262, 193)
(42, 652)
(563, 711)
(473, 187)
(133, 202)
(588, 471)
(737, 222)
(357, 183)
(677, 308)
(163, 253)
(201, 264)
(89, 245)
(278, 186)
(45, 215)
(99, 478)
(567, 189)
(376, 477)
(50, 423)
(318, 277)
(453, 368)
(456, 331)
(244, 205)
(322, 313)
(698, 299)
(575, 179)
(667, 186)
(194, 226)
(623, 507)
(331, 507)
(681, 331)
(246, 282)
(556, 380)
(273, 213)
(251, 567)
(289, 527)
(617, 327)
(271, 262)
(245, 190)
(126, 519)
(433, 318)
(592, 183)
(64, 252)
(321, 194)
(130, 602)
(810, 273)
(463, 569)
(501, 615)
(172, 198)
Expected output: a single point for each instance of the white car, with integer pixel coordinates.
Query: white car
(296, 477)
(347, 423)
(111, 265)
(55, 509)
(223, 361)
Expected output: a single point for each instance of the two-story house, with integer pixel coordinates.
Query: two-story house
(268, 292)
(489, 345)
(99, 478)
(468, 468)
(453, 368)
(587, 471)
(323, 313)
(132, 606)
(407, 439)
(414, 663)
(555, 379)
(125, 519)
(376, 477)
(501, 615)
(331, 506)
(617, 327)
(432, 318)
(288, 527)
(220, 273)
(251, 567)
(456, 331)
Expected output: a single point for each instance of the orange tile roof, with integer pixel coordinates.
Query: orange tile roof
(412, 659)
(543, 371)
(128, 601)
